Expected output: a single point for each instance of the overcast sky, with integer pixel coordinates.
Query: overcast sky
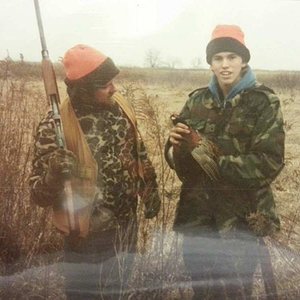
(179, 29)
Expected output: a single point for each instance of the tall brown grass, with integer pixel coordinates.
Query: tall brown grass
(25, 229)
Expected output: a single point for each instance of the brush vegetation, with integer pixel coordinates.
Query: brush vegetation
(28, 242)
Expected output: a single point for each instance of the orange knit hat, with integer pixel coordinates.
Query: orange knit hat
(232, 31)
(81, 60)
(84, 64)
(227, 38)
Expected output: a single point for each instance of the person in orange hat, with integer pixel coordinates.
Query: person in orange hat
(108, 167)
(227, 147)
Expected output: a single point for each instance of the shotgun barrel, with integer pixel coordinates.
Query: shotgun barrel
(51, 89)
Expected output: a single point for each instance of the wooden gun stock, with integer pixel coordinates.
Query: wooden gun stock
(54, 100)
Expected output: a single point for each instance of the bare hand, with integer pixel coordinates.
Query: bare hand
(177, 133)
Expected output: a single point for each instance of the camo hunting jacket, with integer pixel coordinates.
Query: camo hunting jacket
(249, 133)
(112, 141)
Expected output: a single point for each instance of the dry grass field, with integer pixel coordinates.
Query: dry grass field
(30, 249)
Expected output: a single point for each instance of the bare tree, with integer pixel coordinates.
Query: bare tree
(152, 58)
(196, 63)
(8, 58)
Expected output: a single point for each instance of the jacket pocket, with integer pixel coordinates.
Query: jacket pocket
(241, 124)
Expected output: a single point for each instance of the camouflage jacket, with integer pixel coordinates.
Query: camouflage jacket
(249, 133)
(111, 139)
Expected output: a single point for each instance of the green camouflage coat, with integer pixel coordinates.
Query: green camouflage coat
(249, 133)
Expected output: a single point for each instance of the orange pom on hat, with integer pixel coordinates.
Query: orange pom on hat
(82, 63)
(227, 38)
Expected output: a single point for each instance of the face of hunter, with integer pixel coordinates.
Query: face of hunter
(104, 93)
(227, 66)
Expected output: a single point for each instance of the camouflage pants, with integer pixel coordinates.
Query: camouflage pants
(220, 268)
(219, 250)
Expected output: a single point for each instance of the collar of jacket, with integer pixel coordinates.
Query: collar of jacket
(246, 82)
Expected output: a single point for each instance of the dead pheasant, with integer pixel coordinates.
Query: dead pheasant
(195, 156)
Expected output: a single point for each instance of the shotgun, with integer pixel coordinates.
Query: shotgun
(51, 89)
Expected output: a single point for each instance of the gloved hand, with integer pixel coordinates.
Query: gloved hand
(260, 223)
(61, 166)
